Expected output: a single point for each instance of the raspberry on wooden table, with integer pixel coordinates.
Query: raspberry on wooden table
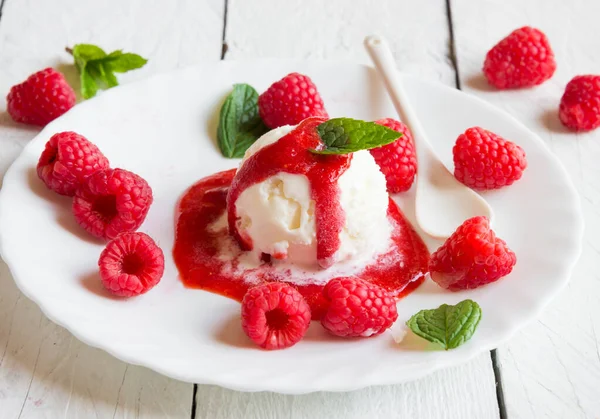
(398, 160)
(67, 160)
(357, 308)
(580, 104)
(43, 97)
(289, 101)
(112, 201)
(522, 59)
(275, 315)
(484, 160)
(131, 264)
(471, 257)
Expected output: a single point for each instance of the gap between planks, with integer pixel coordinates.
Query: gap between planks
(223, 41)
(493, 354)
(2, 7)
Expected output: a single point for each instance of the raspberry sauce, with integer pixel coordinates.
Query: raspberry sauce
(198, 244)
(291, 152)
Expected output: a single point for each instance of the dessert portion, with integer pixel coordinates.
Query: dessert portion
(308, 209)
(293, 214)
(305, 229)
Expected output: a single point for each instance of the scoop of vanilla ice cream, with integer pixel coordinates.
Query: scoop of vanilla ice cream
(278, 214)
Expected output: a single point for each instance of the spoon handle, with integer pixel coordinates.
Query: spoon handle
(381, 55)
(437, 190)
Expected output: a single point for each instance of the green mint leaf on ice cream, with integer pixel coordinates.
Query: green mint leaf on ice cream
(347, 135)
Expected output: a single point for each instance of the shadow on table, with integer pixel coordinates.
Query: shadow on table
(7, 122)
(14, 137)
(479, 82)
(549, 118)
(72, 76)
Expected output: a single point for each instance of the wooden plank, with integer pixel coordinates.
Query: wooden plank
(552, 368)
(460, 392)
(332, 30)
(311, 29)
(44, 370)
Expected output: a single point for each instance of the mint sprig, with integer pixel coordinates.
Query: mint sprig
(97, 68)
(347, 135)
(450, 326)
(239, 122)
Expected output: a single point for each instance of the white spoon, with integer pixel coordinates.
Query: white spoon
(442, 202)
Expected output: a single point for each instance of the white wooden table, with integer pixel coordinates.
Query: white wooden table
(549, 370)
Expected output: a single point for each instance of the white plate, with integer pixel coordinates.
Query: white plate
(163, 128)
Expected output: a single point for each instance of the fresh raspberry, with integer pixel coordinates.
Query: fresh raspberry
(397, 161)
(67, 160)
(580, 104)
(484, 160)
(289, 101)
(522, 59)
(42, 98)
(275, 315)
(471, 257)
(357, 308)
(112, 201)
(131, 264)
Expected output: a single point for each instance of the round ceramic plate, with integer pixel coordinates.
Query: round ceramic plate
(164, 129)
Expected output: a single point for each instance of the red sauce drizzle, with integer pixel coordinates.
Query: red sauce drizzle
(291, 154)
(400, 270)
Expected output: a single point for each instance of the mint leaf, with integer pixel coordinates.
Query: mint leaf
(88, 85)
(87, 52)
(239, 122)
(346, 135)
(449, 326)
(122, 63)
(108, 76)
(83, 53)
(96, 68)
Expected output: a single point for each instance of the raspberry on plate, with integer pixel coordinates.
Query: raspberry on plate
(289, 101)
(43, 97)
(131, 264)
(398, 160)
(522, 59)
(357, 308)
(471, 257)
(275, 315)
(112, 201)
(580, 104)
(67, 160)
(484, 160)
